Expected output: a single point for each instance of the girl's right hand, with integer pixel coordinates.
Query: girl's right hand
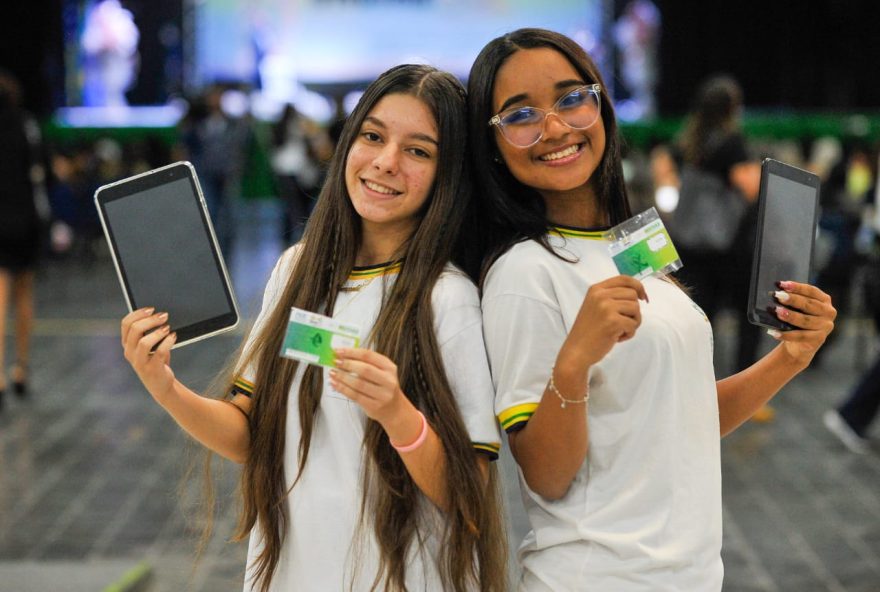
(141, 331)
(609, 315)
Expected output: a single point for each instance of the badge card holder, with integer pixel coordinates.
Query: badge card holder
(312, 337)
(641, 247)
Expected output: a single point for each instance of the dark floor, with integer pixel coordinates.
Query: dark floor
(91, 469)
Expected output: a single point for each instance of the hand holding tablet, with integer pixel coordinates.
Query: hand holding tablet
(788, 204)
(165, 251)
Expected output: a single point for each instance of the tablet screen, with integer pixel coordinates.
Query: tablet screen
(786, 232)
(165, 252)
(787, 239)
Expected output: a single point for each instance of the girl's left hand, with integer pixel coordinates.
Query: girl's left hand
(809, 309)
(369, 379)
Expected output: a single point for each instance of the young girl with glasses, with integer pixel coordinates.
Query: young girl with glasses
(372, 475)
(604, 384)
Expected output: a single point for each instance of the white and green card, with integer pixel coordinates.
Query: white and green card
(311, 337)
(641, 247)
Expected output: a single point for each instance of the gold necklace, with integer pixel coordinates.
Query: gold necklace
(357, 289)
(363, 284)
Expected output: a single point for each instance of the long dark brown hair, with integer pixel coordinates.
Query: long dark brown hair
(472, 550)
(507, 210)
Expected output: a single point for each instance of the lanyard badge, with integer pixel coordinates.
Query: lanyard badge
(641, 247)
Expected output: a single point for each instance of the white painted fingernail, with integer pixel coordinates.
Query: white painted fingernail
(774, 333)
(781, 296)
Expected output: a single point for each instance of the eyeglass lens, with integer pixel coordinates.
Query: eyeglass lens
(578, 109)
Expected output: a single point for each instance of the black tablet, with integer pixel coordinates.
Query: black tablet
(166, 252)
(788, 209)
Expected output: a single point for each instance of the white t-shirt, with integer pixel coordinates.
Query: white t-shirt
(644, 510)
(323, 551)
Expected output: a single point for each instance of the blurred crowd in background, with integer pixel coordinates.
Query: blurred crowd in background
(236, 157)
(703, 178)
(239, 158)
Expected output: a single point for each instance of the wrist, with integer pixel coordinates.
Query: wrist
(402, 423)
(564, 399)
(166, 396)
(404, 447)
(795, 363)
(571, 367)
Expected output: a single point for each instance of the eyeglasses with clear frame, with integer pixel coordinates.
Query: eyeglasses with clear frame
(524, 126)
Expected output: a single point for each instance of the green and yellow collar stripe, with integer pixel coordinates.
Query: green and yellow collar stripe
(490, 448)
(516, 415)
(242, 387)
(365, 273)
(569, 232)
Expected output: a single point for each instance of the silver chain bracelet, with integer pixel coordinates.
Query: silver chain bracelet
(563, 400)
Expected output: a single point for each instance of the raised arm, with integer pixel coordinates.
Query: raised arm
(221, 426)
(553, 444)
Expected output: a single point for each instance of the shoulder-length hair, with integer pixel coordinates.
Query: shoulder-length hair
(508, 210)
(469, 551)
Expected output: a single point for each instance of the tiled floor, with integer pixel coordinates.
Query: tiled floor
(91, 470)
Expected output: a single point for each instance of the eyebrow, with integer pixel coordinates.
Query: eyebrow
(561, 85)
(415, 136)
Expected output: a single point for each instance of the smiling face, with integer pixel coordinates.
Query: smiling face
(392, 163)
(561, 164)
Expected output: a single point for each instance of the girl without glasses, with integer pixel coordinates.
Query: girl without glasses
(345, 470)
(604, 384)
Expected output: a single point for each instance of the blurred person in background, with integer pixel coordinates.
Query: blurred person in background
(716, 157)
(76, 229)
(299, 149)
(20, 228)
(851, 420)
(637, 36)
(845, 193)
(110, 57)
(216, 143)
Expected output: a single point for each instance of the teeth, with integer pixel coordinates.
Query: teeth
(561, 154)
(379, 188)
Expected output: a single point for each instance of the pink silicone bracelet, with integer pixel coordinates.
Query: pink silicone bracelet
(423, 435)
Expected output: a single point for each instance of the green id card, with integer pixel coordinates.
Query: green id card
(311, 337)
(641, 246)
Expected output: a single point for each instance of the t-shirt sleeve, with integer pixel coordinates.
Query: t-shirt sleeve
(458, 323)
(243, 382)
(523, 336)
